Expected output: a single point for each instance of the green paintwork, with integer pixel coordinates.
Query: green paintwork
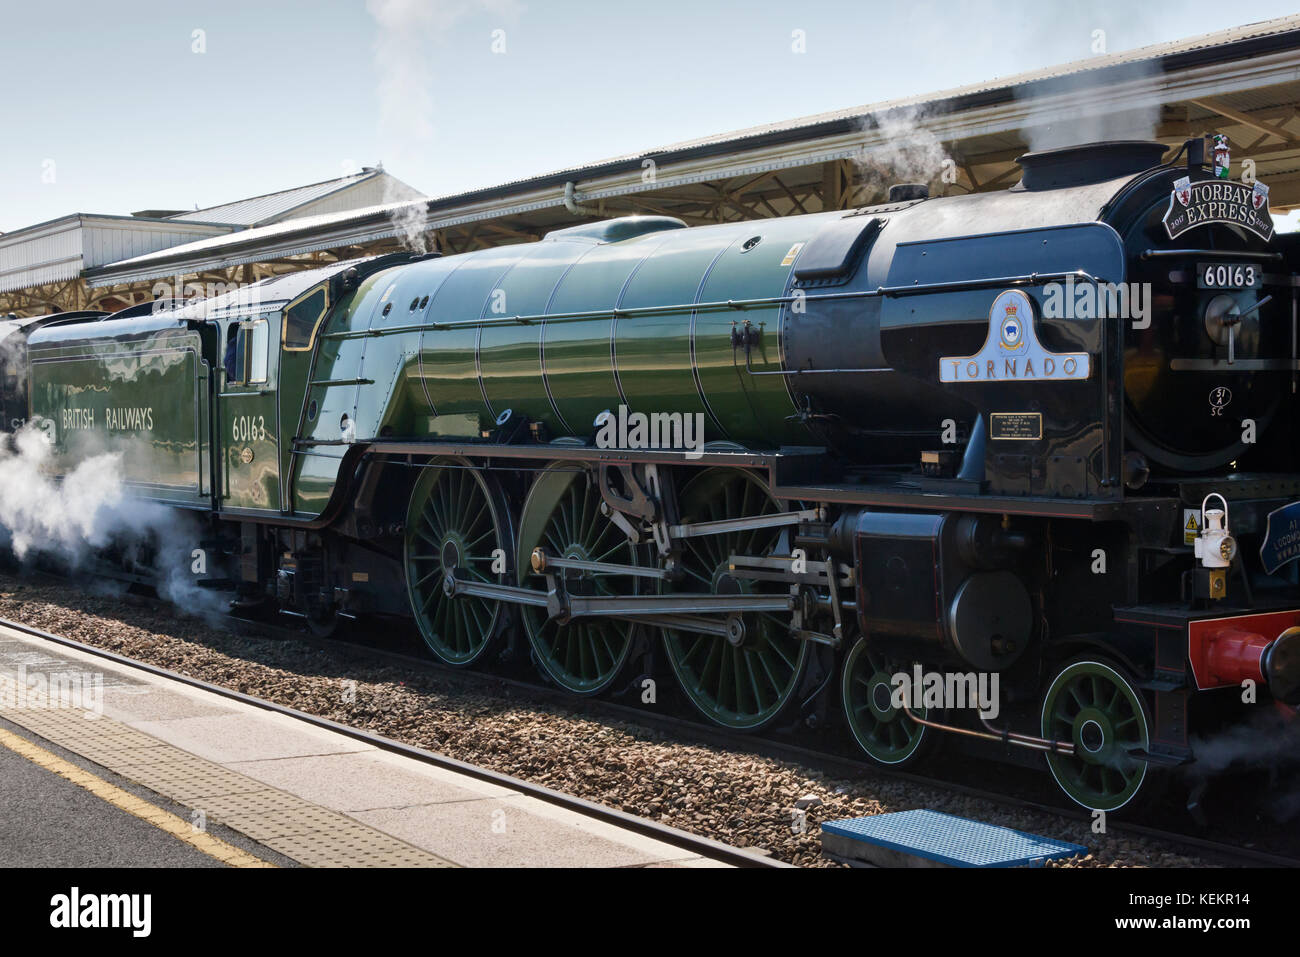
(561, 372)
(747, 686)
(509, 356)
(431, 379)
(316, 469)
(654, 351)
(739, 401)
(248, 437)
(453, 528)
(140, 394)
(562, 515)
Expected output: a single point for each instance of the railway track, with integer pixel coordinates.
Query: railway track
(694, 843)
(829, 762)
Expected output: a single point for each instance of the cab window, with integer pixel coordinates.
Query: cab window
(303, 317)
(258, 340)
(247, 352)
(234, 360)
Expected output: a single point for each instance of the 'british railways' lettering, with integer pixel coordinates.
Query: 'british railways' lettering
(115, 420)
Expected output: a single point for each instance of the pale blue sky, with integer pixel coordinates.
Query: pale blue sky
(289, 92)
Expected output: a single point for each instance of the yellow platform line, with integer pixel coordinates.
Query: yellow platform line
(124, 800)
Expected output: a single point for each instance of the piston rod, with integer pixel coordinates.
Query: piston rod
(623, 606)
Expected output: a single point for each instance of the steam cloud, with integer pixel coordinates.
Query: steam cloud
(1265, 743)
(405, 49)
(908, 153)
(1081, 123)
(1072, 101)
(89, 509)
(410, 219)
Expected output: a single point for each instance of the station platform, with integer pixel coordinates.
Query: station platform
(102, 764)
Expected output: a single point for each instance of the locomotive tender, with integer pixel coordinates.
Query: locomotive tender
(1042, 434)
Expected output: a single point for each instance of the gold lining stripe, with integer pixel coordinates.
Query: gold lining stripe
(178, 828)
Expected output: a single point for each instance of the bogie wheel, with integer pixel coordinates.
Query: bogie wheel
(458, 525)
(886, 733)
(1095, 706)
(324, 624)
(562, 516)
(744, 681)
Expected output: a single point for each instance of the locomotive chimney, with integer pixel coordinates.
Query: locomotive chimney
(906, 192)
(1088, 163)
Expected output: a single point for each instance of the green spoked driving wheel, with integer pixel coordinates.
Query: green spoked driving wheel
(745, 680)
(885, 732)
(457, 525)
(562, 516)
(1095, 707)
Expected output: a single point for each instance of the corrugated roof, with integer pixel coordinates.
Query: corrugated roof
(1096, 64)
(61, 249)
(260, 209)
(316, 233)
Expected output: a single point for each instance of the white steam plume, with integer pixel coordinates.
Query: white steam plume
(1070, 110)
(408, 34)
(1081, 121)
(1265, 742)
(899, 149)
(88, 509)
(410, 220)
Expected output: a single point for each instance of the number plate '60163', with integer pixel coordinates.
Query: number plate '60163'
(1228, 276)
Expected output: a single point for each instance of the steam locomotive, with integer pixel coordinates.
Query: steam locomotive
(1012, 470)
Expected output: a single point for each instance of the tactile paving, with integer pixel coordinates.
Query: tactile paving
(351, 845)
(305, 832)
(951, 840)
(187, 779)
